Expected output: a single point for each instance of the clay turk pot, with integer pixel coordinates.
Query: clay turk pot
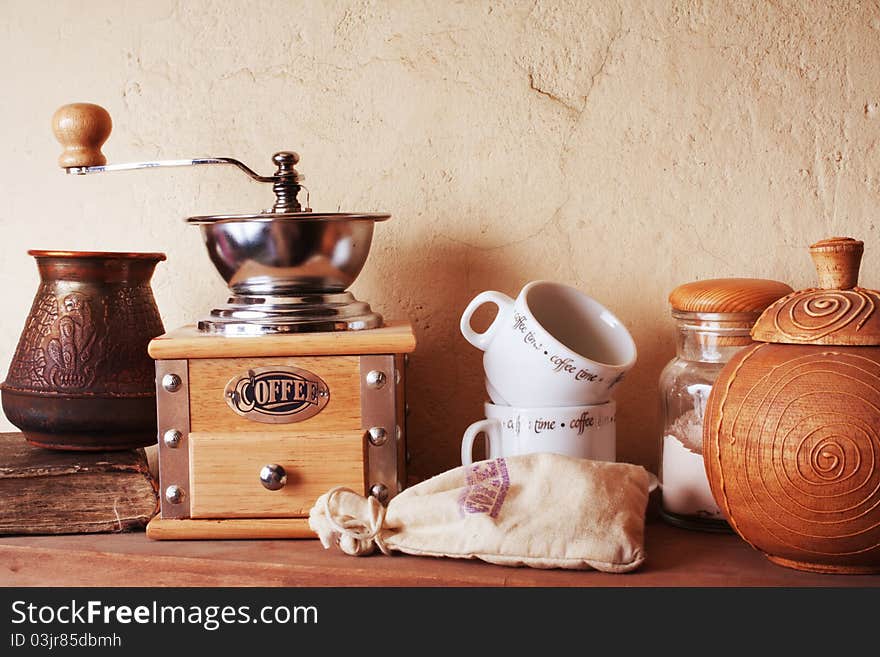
(791, 434)
(81, 378)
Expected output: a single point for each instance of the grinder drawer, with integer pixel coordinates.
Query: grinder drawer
(224, 471)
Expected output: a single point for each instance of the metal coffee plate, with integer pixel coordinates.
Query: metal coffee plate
(277, 394)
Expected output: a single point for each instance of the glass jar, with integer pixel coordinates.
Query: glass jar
(713, 320)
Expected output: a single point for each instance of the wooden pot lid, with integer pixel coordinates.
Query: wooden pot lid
(727, 295)
(837, 312)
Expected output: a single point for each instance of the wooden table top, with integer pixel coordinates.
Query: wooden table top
(676, 557)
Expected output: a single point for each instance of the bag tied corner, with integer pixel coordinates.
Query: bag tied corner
(351, 521)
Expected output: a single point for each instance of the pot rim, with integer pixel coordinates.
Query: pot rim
(84, 255)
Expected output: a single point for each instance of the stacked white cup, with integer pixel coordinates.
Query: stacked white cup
(552, 358)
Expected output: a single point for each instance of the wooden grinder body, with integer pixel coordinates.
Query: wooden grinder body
(349, 429)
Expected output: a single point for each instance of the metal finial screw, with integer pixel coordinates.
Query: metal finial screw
(171, 382)
(380, 492)
(378, 436)
(285, 161)
(172, 438)
(376, 379)
(286, 185)
(174, 494)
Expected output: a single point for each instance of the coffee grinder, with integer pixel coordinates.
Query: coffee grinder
(291, 387)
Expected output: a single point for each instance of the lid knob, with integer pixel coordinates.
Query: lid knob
(82, 128)
(837, 261)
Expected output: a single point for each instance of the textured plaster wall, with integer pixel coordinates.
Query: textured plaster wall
(620, 147)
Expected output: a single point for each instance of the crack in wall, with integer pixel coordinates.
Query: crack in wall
(549, 94)
(578, 108)
(601, 69)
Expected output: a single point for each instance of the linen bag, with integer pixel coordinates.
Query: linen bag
(539, 510)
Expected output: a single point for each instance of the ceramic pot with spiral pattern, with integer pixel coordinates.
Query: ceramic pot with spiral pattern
(81, 378)
(791, 434)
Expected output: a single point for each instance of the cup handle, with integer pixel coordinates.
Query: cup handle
(486, 427)
(482, 340)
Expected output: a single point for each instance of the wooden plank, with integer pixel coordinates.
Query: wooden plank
(210, 412)
(676, 557)
(240, 528)
(225, 469)
(188, 342)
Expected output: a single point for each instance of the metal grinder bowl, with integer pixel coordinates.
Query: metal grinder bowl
(295, 253)
(288, 272)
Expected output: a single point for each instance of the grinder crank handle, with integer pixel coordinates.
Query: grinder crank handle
(82, 128)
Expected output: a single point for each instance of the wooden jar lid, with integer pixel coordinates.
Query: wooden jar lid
(727, 295)
(837, 312)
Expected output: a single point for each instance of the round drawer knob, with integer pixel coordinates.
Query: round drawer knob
(273, 477)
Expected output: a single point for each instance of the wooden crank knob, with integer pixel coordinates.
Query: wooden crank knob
(81, 128)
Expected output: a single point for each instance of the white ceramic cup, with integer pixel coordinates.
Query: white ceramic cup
(581, 431)
(552, 346)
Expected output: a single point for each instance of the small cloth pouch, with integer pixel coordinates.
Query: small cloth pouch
(539, 510)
